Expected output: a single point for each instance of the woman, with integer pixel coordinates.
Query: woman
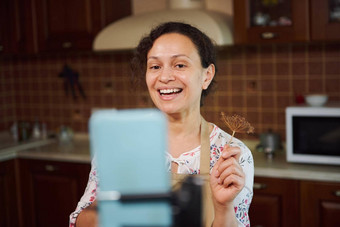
(177, 61)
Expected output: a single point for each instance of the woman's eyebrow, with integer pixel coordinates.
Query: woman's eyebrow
(180, 55)
(173, 56)
(152, 57)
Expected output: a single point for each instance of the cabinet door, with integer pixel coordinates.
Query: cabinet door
(270, 21)
(51, 191)
(8, 195)
(14, 24)
(275, 203)
(320, 204)
(72, 25)
(325, 20)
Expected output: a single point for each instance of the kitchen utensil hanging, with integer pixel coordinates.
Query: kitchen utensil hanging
(71, 82)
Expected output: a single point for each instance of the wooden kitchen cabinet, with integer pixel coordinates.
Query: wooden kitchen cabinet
(72, 25)
(265, 21)
(33, 26)
(8, 194)
(325, 20)
(15, 26)
(275, 203)
(320, 204)
(259, 21)
(50, 190)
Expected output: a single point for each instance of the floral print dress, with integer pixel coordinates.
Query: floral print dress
(189, 163)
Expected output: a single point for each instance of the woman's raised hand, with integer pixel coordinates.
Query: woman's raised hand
(227, 178)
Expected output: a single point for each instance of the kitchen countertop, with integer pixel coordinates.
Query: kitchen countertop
(78, 151)
(50, 149)
(12, 150)
(279, 167)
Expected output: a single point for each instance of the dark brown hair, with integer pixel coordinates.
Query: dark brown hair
(202, 42)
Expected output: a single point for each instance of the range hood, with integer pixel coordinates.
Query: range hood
(125, 33)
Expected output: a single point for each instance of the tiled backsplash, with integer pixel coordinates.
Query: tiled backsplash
(258, 82)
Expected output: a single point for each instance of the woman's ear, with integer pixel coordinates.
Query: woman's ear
(209, 74)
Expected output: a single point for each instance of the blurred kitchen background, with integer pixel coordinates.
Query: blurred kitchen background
(281, 51)
(255, 80)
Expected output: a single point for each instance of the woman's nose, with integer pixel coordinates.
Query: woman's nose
(167, 75)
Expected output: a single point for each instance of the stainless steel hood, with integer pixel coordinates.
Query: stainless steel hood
(126, 33)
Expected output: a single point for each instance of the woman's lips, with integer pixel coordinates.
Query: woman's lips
(169, 91)
(169, 94)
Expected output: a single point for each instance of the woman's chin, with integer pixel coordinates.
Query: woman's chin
(168, 109)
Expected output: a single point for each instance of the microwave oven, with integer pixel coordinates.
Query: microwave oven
(313, 134)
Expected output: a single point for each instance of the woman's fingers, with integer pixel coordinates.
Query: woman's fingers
(234, 181)
(228, 168)
(227, 178)
(229, 151)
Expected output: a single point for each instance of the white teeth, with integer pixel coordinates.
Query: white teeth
(168, 91)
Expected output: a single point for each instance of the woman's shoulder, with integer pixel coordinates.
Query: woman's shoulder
(218, 136)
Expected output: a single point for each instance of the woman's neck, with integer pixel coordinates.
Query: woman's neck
(184, 133)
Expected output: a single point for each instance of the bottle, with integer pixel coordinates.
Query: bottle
(14, 132)
(23, 131)
(36, 130)
(64, 135)
(43, 131)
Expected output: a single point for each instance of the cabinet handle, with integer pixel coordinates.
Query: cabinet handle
(51, 168)
(337, 193)
(67, 45)
(259, 186)
(268, 35)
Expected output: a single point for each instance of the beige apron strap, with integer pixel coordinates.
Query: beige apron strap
(205, 148)
(208, 208)
(176, 180)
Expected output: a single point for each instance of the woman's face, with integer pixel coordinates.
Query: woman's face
(175, 76)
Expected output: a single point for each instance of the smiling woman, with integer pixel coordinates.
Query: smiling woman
(177, 62)
(174, 75)
(202, 44)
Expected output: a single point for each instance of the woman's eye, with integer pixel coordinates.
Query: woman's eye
(180, 66)
(155, 67)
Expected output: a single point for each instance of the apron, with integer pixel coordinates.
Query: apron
(177, 179)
